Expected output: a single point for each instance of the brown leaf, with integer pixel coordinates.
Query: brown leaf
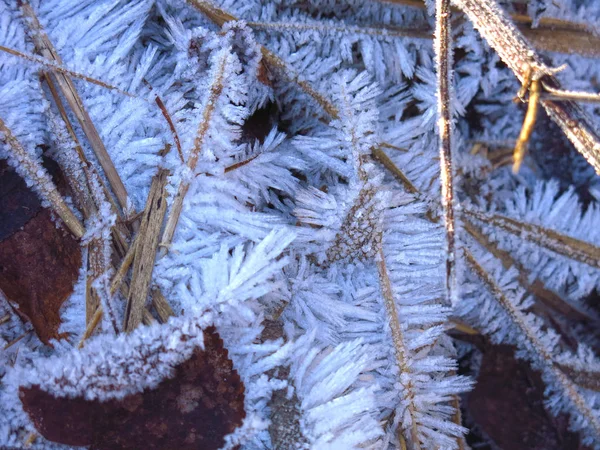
(507, 404)
(39, 262)
(195, 409)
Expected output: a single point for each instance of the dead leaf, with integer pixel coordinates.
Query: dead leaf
(39, 261)
(195, 409)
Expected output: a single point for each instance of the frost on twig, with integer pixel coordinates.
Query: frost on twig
(443, 52)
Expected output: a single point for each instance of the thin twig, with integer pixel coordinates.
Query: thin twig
(443, 51)
(167, 117)
(528, 124)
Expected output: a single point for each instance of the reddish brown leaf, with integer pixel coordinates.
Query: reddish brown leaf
(507, 404)
(195, 409)
(39, 262)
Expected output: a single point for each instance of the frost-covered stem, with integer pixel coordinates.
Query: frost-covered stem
(541, 352)
(536, 287)
(528, 124)
(68, 89)
(521, 57)
(387, 162)
(29, 168)
(220, 17)
(552, 240)
(53, 67)
(383, 31)
(400, 348)
(443, 52)
(146, 244)
(209, 108)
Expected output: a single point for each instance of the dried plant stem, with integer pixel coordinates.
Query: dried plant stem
(57, 68)
(4, 319)
(536, 287)
(528, 124)
(91, 326)
(124, 267)
(521, 57)
(167, 116)
(161, 306)
(68, 89)
(146, 244)
(385, 160)
(549, 239)
(543, 355)
(561, 94)
(399, 346)
(443, 51)
(184, 186)
(383, 31)
(34, 171)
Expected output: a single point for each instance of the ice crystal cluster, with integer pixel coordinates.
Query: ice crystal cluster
(299, 142)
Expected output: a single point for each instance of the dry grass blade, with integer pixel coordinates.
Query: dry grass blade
(146, 244)
(399, 346)
(522, 58)
(33, 170)
(124, 267)
(173, 218)
(68, 89)
(561, 94)
(161, 306)
(385, 160)
(443, 52)
(53, 67)
(549, 239)
(528, 124)
(536, 287)
(534, 344)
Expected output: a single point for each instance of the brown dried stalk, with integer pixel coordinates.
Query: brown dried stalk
(443, 52)
(54, 67)
(146, 244)
(544, 237)
(42, 181)
(69, 91)
(528, 124)
(544, 356)
(385, 160)
(398, 340)
(521, 57)
(215, 91)
(536, 287)
(167, 116)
